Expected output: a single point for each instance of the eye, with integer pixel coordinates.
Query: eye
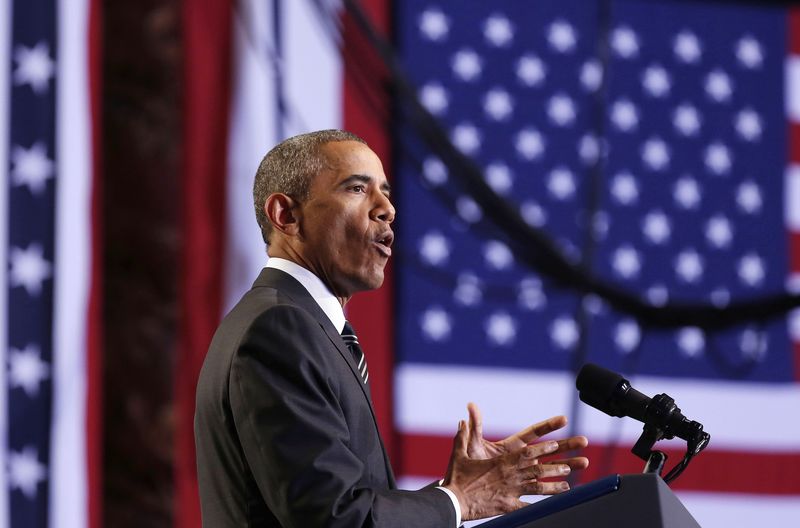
(359, 188)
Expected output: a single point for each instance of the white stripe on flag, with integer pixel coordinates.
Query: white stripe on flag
(5, 42)
(252, 131)
(792, 87)
(68, 472)
(511, 399)
(792, 198)
(311, 69)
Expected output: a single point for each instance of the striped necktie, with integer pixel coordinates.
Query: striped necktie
(351, 340)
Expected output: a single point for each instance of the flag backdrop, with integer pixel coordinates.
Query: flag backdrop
(49, 325)
(657, 140)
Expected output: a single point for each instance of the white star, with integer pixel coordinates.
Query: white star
(691, 341)
(719, 231)
(32, 167)
(686, 120)
(656, 81)
(600, 224)
(627, 335)
(529, 143)
(468, 292)
(753, 344)
(591, 75)
(625, 42)
(531, 296)
(589, 149)
(498, 104)
(497, 255)
(624, 188)
(434, 248)
(626, 262)
(686, 47)
(467, 65)
(748, 197)
(564, 332)
(562, 36)
(498, 176)
(533, 214)
(25, 472)
(719, 86)
(501, 329)
(468, 209)
(434, 97)
(656, 227)
(436, 324)
(718, 158)
(657, 294)
(29, 268)
(561, 183)
(748, 125)
(655, 154)
(34, 67)
(498, 31)
(751, 269)
(689, 265)
(593, 304)
(749, 52)
(434, 25)
(561, 110)
(624, 115)
(720, 297)
(26, 369)
(687, 192)
(467, 138)
(531, 71)
(434, 171)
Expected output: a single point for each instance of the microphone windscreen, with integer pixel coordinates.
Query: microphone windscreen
(597, 386)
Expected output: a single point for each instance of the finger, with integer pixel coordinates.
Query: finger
(530, 453)
(540, 471)
(575, 463)
(460, 439)
(538, 430)
(475, 424)
(544, 488)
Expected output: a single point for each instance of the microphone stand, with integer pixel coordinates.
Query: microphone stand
(656, 427)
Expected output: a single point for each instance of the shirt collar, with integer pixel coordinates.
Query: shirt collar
(315, 287)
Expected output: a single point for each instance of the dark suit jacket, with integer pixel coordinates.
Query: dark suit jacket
(285, 431)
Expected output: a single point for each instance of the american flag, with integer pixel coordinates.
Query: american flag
(653, 139)
(48, 309)
(651, 146)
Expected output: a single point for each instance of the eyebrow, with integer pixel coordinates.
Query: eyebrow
(364, 178)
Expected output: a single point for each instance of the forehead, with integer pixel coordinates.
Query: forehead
(346, 158)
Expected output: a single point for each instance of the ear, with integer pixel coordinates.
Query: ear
(283, 213)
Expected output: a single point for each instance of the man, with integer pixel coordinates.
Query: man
(285, 431)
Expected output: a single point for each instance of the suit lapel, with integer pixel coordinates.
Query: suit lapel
(289, 286)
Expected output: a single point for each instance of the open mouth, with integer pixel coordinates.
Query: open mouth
(384, 243)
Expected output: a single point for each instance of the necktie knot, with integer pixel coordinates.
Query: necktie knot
(351, 340)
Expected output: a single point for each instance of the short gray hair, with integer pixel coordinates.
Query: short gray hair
(289, 167)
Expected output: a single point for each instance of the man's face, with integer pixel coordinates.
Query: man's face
(344, 234)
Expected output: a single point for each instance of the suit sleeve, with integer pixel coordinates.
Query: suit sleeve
(295, 439)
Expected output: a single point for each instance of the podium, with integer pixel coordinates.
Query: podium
(629, 501)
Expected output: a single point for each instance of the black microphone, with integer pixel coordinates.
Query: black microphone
(609, 392)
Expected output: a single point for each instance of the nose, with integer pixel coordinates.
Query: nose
(383, 210)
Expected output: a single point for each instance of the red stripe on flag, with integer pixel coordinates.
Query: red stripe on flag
(207, 74)
(714, 470)
(94, 330)
(794, 142)
(794, 31)
(366, 108)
